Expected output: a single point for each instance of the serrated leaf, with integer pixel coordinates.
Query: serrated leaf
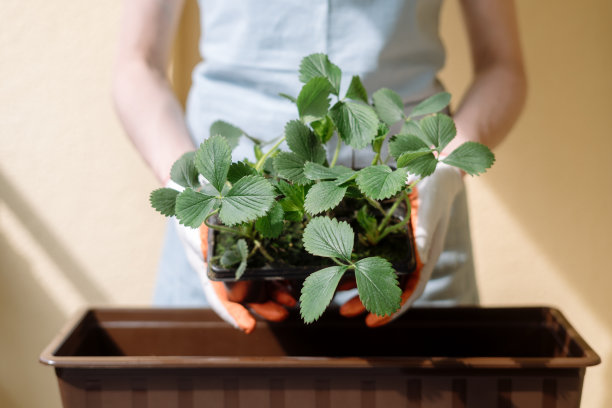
(271, 225)
(388, 105)
(294, 193)
(345, 178)
(193, 207)
(235, 255)
(290, 167)
(184, 172)
(323, 196)
(213, 160)
(313, 100)
(324, 129)
(238, 170)
(377, 285)
(411, 127)
(432, 104)
(400, 144)
(251, 197)
(318, 291)
(406, 158)
(230, 132)
(421, 166)
(315, 171)
(318, 65)
(380, 182)
(440, 129)
(329, 237)
(243, 251)
(472, 157)
(356, 90)
(303, 142)
(164, 201)
(357, 124)
(367, 222)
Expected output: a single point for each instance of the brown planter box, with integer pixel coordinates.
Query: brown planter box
(464, 357)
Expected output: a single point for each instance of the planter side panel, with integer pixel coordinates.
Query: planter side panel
(181, 388)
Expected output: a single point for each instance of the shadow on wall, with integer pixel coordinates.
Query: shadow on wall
(29, 319)
(49, 242)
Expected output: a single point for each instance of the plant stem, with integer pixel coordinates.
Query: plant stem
(336, 152)
(222, 228)
(395, 227)
(263, 251)
(261, 161)
(389, 214)
(376, 205)
(376, 158)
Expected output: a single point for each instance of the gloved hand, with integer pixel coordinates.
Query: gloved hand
(431, 203)
(224, 299)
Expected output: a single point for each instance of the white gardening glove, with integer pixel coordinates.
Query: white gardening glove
(431, 202)
(225, 300)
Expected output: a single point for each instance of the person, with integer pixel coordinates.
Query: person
(251, 51)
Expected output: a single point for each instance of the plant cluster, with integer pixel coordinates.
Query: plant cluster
(257, 202)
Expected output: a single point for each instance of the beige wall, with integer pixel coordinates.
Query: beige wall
(76, 229)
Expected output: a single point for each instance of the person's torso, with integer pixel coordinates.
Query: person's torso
(252, 49)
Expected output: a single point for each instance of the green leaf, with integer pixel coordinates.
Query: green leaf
(303, 142)
(345, 178)
(323, 196)
(237, 254)
(324, 129)
(356, 90)
(388, 105)
(164, 200)
(411, 127)
(357, 123)
(230, 132)
(271, 225)
(421, 166)
(400, 144)
(238, 170)
(313, 100)
(380, 182)
(294, 193)
(243, 250)
(406, 158)
(291, 167)
(213, 160)
(472, 157)
(315, 171)
(250, 198)
(329, 237)
(318, 65)
(432, 104)
(193, 207)
(377, 286)
(318, 291)
(440, 129)
(367, 222)
(184, 172)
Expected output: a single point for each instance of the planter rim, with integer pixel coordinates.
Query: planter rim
(193, 318)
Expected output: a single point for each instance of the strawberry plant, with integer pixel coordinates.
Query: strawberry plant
(301, 207)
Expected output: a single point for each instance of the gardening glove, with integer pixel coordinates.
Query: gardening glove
(431, 202)
(224, 299)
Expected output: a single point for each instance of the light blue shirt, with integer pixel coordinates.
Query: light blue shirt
(251, 52)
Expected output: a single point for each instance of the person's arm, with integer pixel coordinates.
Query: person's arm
(143, 97)
(497, 93)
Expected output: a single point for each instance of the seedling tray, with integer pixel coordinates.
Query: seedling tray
(293, 272)
(465, 357)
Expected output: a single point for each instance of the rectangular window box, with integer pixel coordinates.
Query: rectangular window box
(459, 357)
